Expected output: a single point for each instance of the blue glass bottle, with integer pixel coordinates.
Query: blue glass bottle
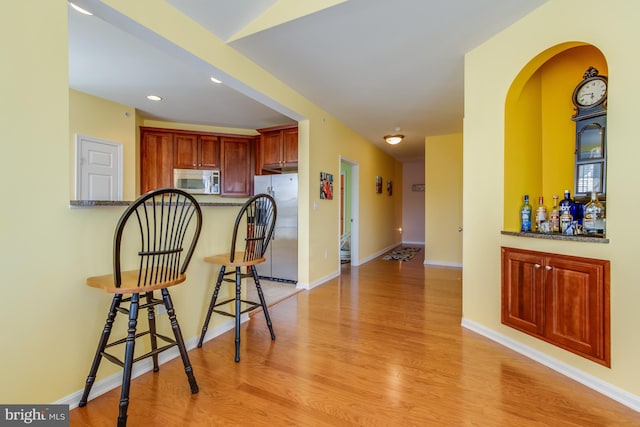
(566, 203)
(577, 211)
(525, 215)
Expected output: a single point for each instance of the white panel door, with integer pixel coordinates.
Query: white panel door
(99, 169)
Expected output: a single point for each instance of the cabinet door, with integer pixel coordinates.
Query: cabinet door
(290, 146)
(271, 149)
(577, 306)
(236, 166)
(209, 152)
(156, 161)
(185, 151)
(522, 290)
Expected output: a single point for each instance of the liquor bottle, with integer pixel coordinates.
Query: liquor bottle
(577, 211)
(565, 204)
(554, 216)
(565, 222)
(525, 215)
(594, 218)
(541, 217)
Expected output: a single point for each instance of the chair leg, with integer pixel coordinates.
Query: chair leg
(152, 329)
(263, 302)
(212, 304)
(128, 359)
(104, 338)
(179, 340)
(238, 311)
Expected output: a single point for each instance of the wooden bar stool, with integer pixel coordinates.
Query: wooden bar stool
(163, 233)
(258, 218)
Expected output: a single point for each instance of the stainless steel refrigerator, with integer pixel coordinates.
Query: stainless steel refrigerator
(282, 255)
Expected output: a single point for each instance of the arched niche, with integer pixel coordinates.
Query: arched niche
(539, 135)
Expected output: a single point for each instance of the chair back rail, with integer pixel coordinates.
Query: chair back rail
(259, 214)
(164, 218)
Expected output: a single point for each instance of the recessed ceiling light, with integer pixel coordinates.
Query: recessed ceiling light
(213, 79)
(154, 98)
(79, 9)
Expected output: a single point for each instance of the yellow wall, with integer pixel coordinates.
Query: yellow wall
(490, 69)
(443, 200)
(50, 319)
(539, 133)
(110, 121)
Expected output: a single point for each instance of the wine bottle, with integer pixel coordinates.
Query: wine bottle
(594, 218)
(554, 216)
(525, 215)
(541, 217)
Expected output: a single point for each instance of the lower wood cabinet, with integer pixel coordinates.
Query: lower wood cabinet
(561, 299)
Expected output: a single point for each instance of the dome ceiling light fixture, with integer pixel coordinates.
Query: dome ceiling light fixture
(394, 138)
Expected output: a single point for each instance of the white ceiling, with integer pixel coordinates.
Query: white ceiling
(376, 65)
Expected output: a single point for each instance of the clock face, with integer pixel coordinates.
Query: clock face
(591, 92)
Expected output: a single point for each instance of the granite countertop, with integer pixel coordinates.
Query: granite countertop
(557, 236)
(96, 203)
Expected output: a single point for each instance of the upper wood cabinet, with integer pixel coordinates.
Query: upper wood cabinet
(236, 166)
(561, 299)
(163, 150)
(196, 151)
(278, 150)
(156, 160)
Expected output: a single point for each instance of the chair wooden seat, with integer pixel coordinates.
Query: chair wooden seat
(166, 224)
(129, 283)
(225, 259)
(253, 229)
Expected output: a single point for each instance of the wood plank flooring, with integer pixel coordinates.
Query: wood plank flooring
(380, 346)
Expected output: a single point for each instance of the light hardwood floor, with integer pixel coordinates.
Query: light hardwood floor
(380, 346)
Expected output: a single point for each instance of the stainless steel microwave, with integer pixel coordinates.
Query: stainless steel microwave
(197, 181)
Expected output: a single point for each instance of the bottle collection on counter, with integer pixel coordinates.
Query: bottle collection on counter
(568, 216)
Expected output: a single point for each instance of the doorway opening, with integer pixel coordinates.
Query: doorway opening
(348, 212)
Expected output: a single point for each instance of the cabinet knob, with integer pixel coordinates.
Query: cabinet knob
(547, 267)
(537, 265)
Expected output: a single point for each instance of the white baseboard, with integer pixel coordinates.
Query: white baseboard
(319, 281)
(413, 243)
(443, 264)
(377, 254)
(114, 381)
(619, 395)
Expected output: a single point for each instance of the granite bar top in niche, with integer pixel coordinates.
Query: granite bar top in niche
(557, 236)
(99, 203)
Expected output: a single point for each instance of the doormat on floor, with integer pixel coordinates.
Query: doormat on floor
(401, 254)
